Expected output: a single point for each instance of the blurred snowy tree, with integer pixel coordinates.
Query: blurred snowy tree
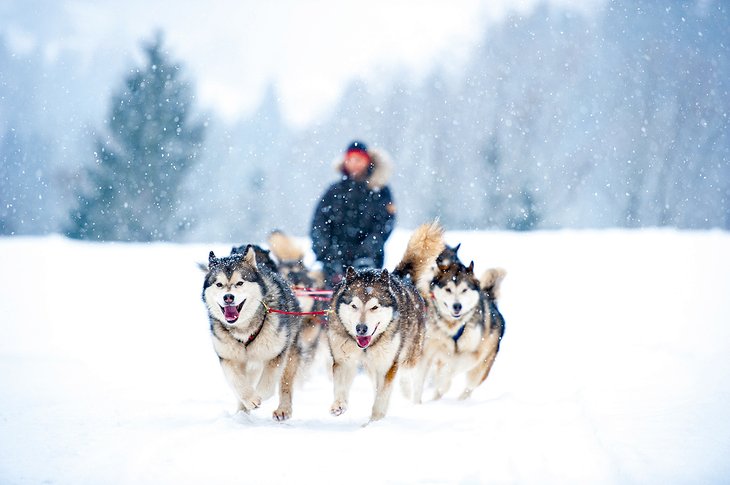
(132, 191)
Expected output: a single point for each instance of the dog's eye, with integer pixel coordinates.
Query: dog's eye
(374, 308)
(448, 290)
(219, 285)
(239, 284)
(464, 290)
(354, 306)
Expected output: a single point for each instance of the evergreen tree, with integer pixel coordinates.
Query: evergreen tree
(132, 191)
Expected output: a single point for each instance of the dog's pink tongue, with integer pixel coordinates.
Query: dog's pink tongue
(363, 341)
(230, 312)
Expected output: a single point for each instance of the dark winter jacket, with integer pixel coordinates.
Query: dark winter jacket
(353, 219)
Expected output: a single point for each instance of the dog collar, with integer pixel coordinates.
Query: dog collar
(255, 334)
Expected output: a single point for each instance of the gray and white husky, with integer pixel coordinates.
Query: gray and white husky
(257, 348)
(377, 321)
(464, 328)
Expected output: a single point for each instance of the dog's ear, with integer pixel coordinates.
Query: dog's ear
(456, 249)
(470, 269)
(250, 256)
(211, 259)
(384, 276)
(350, 274)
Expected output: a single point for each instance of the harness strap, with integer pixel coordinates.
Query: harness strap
(315, 298)
(283, 312)
(459, 333)
(311, 291)
(255, 334)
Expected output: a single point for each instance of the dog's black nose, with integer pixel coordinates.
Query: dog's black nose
(361, 329)
(457, 307)
(228, 298)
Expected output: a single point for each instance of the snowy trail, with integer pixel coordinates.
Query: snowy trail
(613, 369)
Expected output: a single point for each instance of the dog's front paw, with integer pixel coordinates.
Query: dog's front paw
(377, 416)
(282, 413)
(250, 403)
(465, 394)
(338, 407)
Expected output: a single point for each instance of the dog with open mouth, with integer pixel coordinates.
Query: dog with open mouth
(378, 321)
(464, 327)
(257, 348)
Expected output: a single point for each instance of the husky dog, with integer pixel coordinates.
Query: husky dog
(291, 266)
(464, 327)
(256, 347)
(377, 321)
(447, 256)
(263, 256)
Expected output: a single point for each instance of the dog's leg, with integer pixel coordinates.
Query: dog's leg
(272, 371)
(443, 376)
(241, 378)
(478, 374)
(308, 340)
(309, 333)
(343, 373)
(384, 387)
(419, 378)
(420, 372)
(293, 361)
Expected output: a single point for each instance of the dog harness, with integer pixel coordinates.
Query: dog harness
(459, 333)
(284, 312)
(253, 335)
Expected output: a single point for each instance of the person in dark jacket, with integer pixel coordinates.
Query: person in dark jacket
(355, 216)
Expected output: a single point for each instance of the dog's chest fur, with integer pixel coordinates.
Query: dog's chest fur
(441, 330)
(234, 344)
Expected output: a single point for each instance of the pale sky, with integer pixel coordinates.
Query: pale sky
(233, 49)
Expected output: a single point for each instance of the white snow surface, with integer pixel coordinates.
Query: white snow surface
(615, 368)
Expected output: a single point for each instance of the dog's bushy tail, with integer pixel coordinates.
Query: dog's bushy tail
(284, 247)
(491, 282)
(425, 244)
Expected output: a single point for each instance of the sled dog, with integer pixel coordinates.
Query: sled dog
(377, 321)
(256, 348)
(263, 256)
(464, 328)
(447, 256)
(291, 266)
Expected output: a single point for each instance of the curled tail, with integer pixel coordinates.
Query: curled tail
(491, 282)
(425, 244)
(284, 247)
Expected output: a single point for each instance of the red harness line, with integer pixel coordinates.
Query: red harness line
(317, 298)
(300, 291)
(273, 310)
(283, 312)
(313, 293)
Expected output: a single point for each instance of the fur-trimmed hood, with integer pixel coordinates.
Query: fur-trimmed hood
(382, 166)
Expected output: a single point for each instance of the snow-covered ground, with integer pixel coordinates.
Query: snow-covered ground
(615, 368)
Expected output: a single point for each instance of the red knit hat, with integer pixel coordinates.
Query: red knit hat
(357, 146)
